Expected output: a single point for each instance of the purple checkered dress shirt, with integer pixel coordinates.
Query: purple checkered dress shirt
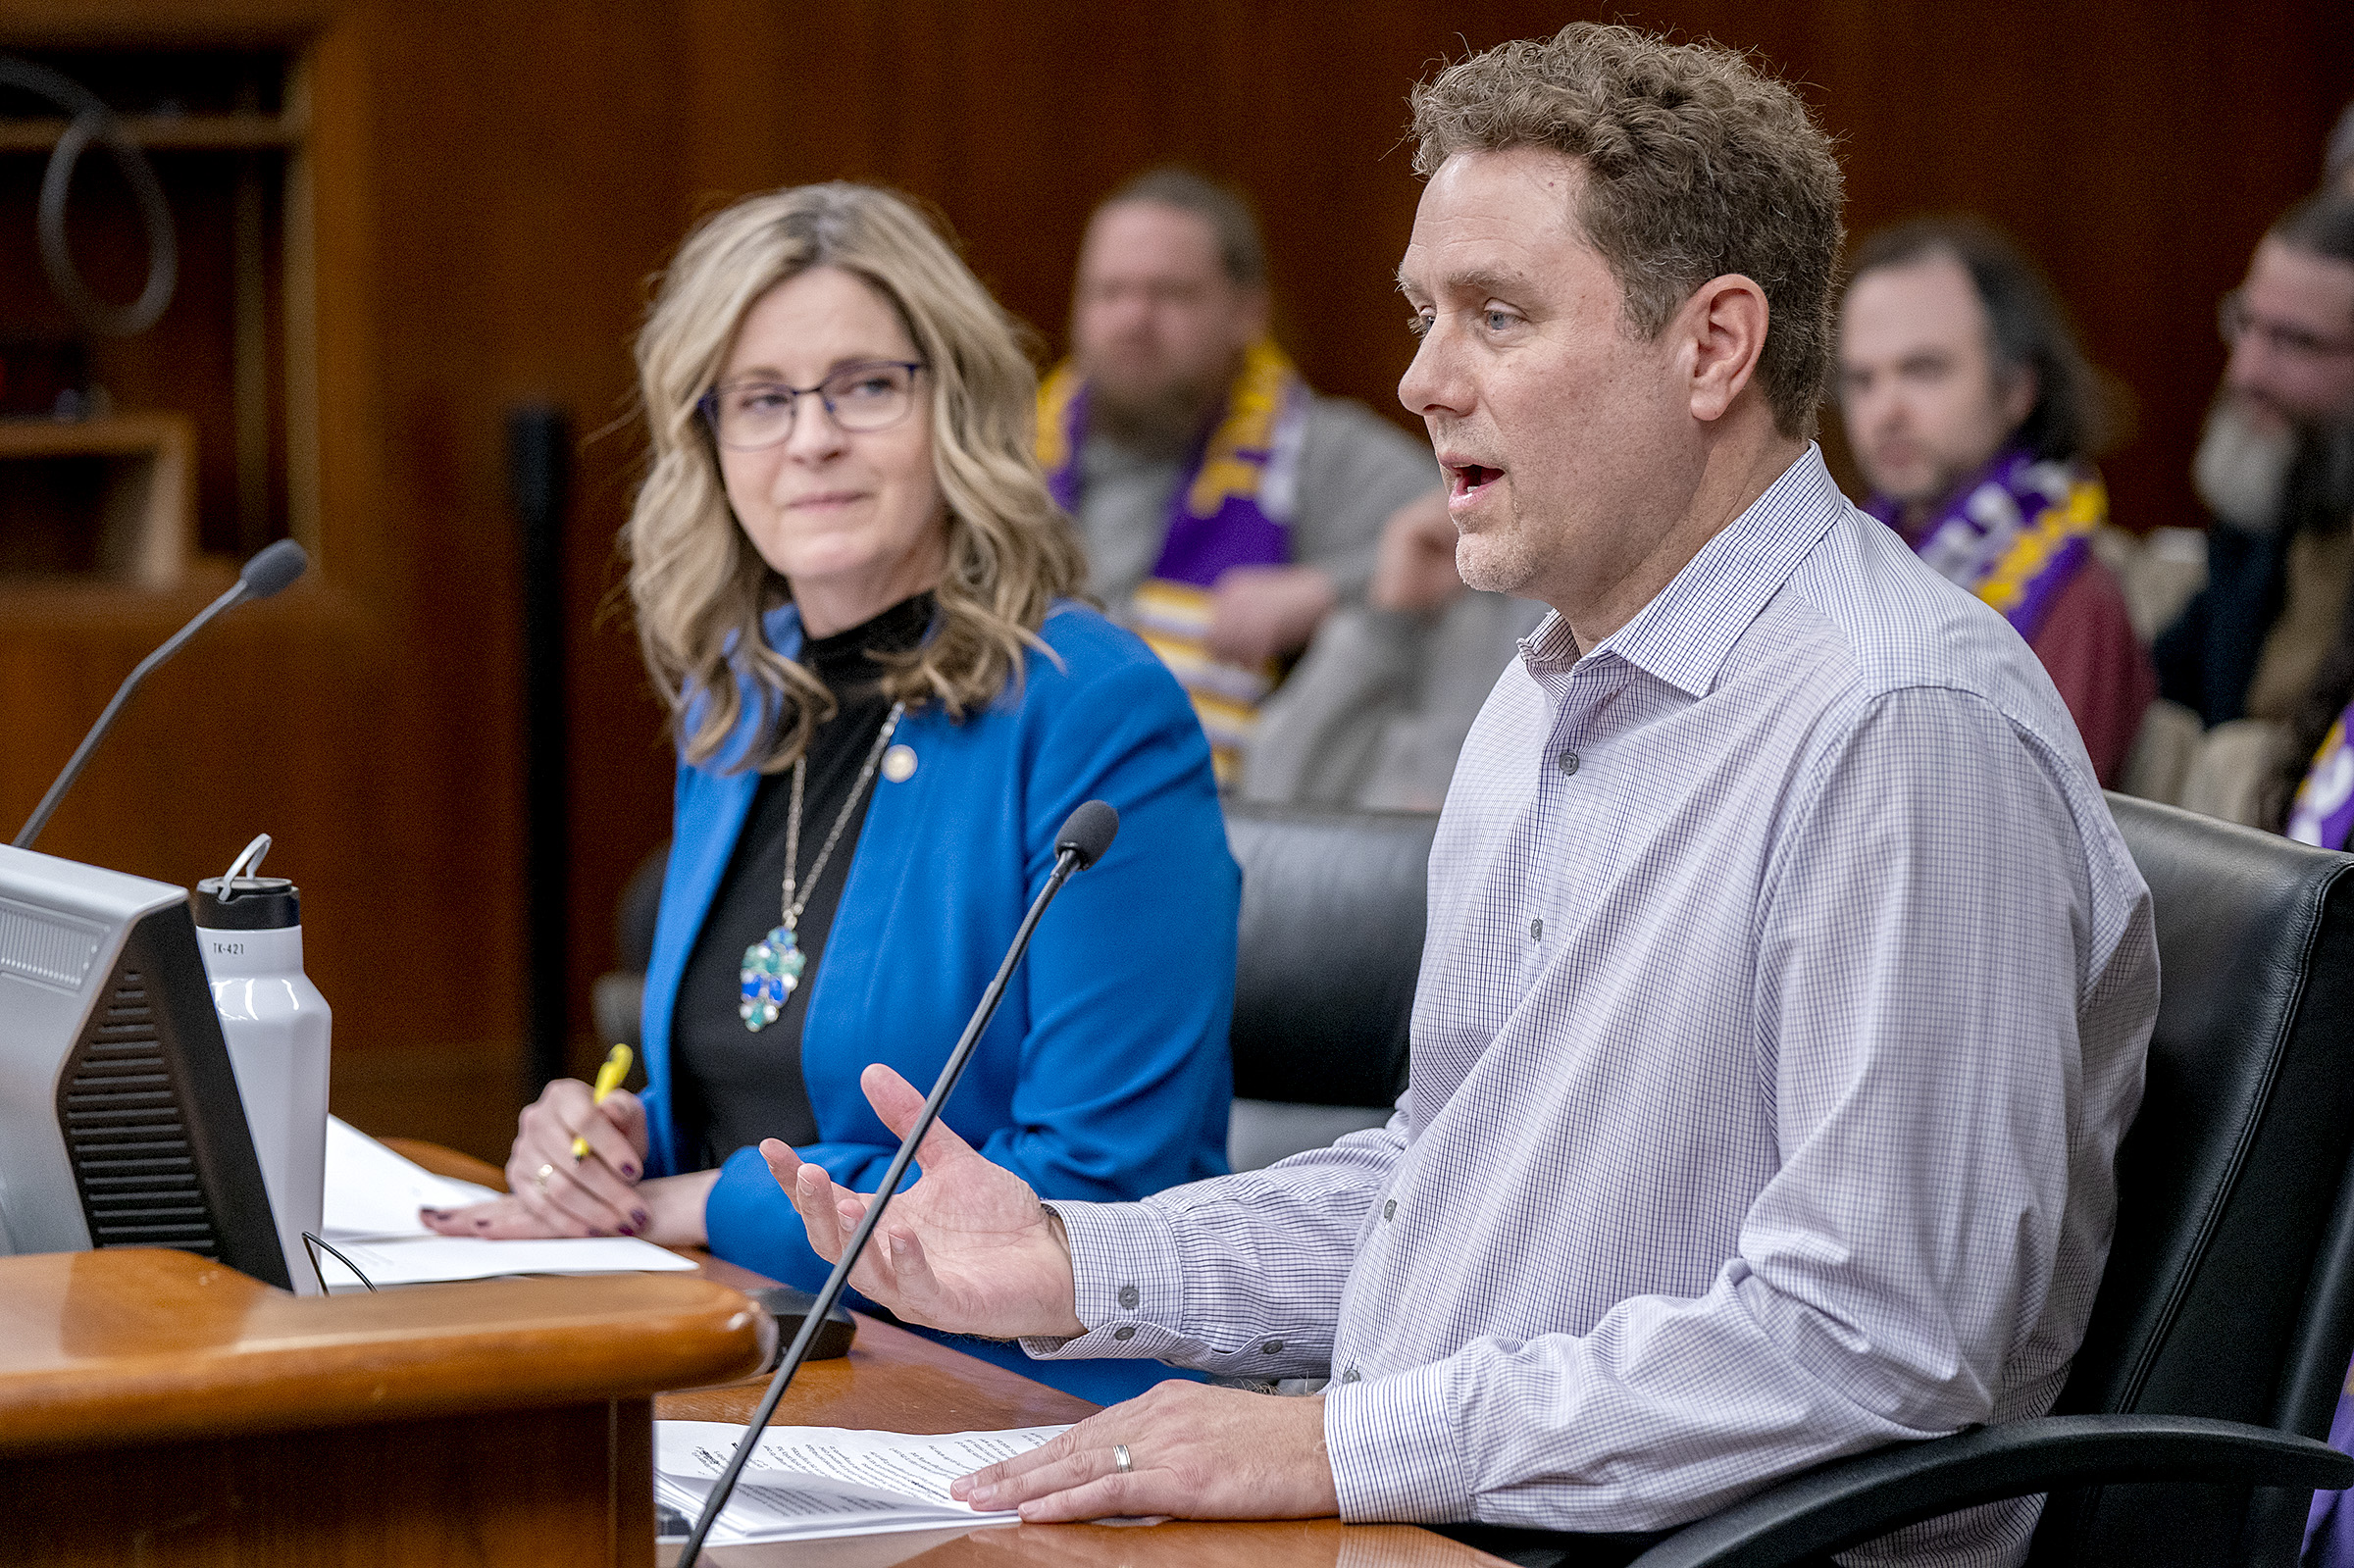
(1786, 996)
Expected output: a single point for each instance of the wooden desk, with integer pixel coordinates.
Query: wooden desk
(900, 1382)
(893, 1381)
(158, 1409)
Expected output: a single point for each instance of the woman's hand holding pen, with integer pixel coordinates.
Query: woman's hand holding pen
(553, 1193)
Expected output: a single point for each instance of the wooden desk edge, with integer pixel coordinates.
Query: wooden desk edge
(136, 1344)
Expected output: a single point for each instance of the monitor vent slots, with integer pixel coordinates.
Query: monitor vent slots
(124, 1134)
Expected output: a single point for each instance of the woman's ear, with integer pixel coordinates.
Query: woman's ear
(1723, 326)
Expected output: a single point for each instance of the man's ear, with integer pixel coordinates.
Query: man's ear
(1721, 335)
(1251, 309)
(2018, 390)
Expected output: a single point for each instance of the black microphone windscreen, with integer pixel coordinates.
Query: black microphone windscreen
(1089, 832)
(273, 568)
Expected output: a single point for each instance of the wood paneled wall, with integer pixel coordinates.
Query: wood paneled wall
(2136, 150)
(498, 179)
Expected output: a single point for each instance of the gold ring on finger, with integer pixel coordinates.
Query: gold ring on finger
(539, 1176)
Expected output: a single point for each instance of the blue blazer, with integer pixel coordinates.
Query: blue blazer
(1104, 1075)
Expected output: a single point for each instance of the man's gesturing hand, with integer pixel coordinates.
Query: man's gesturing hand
(967, 1248)
(1195, 1453)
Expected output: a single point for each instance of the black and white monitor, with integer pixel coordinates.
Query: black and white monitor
(120, 1119)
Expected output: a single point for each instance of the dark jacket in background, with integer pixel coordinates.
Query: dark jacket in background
(2208, 657)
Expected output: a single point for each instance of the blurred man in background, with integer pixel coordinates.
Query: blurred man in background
(1972, 412)
(1226, 507)
(1376, 713)
(2276, 468)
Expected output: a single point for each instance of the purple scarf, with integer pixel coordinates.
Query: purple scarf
(2324, 810)
(2013, 535)
(1236, 507)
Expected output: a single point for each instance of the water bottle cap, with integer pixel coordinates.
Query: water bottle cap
(247, 903)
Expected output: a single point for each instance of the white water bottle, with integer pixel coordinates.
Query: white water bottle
(249, 929)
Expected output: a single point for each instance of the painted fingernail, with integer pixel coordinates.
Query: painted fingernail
(481, 1222)
(629, 1229)
(435, 1214)
(628, 1173)
(640, 1216)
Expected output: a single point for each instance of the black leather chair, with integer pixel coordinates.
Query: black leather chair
(615, 997)
(2221, 1336)
(1330, 943)
(2225, 1322)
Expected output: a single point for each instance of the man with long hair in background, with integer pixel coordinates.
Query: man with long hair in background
(1972, 412)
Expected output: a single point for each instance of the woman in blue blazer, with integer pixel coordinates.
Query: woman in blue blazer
(852, 586)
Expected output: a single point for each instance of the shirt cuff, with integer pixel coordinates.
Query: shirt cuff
(1393, 1450)
(1128, 1286)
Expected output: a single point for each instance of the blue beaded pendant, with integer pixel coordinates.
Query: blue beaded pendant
(772, 968)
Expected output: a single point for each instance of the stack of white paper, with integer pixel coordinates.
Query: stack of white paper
(804, 1483)
(370, 1214)
(372, 1191)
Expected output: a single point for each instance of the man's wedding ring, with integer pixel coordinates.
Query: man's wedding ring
(1120, 1460)
(539, 1176)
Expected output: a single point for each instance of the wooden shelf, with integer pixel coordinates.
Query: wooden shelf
(232, 132)
(109, 500)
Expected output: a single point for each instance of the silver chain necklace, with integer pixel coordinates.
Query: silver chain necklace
(773, 964)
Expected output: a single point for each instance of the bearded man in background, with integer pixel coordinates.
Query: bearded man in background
(2276, 468)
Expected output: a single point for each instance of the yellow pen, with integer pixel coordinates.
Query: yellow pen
(608, 1079)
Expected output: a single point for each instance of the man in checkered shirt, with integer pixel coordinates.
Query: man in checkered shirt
(1787, 983)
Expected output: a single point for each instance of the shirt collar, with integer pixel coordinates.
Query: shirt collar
(1688, 630)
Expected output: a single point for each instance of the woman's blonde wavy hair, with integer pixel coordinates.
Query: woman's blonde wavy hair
(698, 584)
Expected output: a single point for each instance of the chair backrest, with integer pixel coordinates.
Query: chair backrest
(641, 903)
(2226, 1294)
(1330, 943)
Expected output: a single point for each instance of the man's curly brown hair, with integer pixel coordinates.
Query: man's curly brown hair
(1696, 165)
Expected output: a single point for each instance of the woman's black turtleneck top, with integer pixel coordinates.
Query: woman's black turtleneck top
(734, 1086)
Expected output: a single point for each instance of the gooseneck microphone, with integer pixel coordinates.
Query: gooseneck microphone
(1086, 834)
(266, 573)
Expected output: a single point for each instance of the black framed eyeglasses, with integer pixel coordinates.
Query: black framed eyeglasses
(2235, 320)
(872, 395)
